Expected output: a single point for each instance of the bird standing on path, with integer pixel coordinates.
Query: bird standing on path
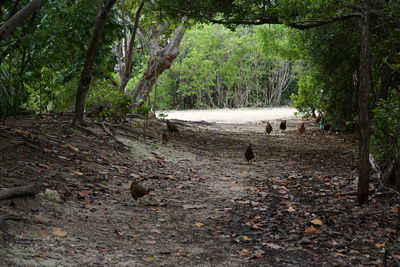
(268, 128)
(249, 154)
(137, 190)
(302, 128)
(171, 127)
(283, 125)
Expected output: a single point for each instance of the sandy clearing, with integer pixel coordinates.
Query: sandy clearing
(232, 115)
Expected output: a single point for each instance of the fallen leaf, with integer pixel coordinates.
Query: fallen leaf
(181, 253)
(59, 233)
(76, 173)
(341, 255)
(394, 209)
(62, 157)
(257, 255)
(271, 245)
(316, 222)
(291, 209)
(246, 238)
(199, 224)
(379, 245)
(255, 227)
(44, 166)
(244, 251)
(312, 230)
(390, 230)
(155, 231)
(85, 192)
(72, 148)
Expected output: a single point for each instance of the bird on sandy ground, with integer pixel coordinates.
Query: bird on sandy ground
(268, 128)
(249, 154)
(137, 190)
(165, 137)
(171, 127)
(283, 125)
(96, 113)
(302, 128)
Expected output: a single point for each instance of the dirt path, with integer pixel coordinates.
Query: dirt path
(209, 207)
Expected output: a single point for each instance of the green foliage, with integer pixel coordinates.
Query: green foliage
(307, 98)
(385, 141)
(116, 104)
(144, 110)
(221, 68)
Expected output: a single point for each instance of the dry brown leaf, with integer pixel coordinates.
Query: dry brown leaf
(271, 245)
(155, 231)
(246, 238)
(44, 166)
(255, 226)
(312, 230)
(60, 233)
(72, 148)
(256, 255)
(199, 224)
(379, 245)
(62, 157)
(181, 253)
(394, 209)
(244, 251)
(291, 209)
(341, 255)
(76, 173)
(390, 230)
(316, 222)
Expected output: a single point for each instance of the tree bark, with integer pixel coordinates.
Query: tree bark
(157, 64)
(18, 18)
(365, 81)
(126, 72)
(86, 75)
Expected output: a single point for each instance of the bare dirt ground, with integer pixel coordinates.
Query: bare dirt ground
(293, 205)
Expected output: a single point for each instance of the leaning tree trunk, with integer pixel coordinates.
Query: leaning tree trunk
(157, 65)
(365, 81)
(86, 75)
(18, 18)
(127, 65)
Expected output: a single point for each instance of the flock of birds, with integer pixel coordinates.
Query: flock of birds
(249, 154)
(137, 190)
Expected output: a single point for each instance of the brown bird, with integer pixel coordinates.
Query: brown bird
(165, 137)
(302, 128)
(249, 154)
(96, 113)
(171, 127)
(137, 190)
(268, 128)
(283, 125)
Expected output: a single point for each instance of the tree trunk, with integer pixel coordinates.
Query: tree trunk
(157, 65)
(18, 18)
(365, 80)
(126, 71)
(86, 75)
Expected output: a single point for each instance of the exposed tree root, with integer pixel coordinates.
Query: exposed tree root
(27, 190)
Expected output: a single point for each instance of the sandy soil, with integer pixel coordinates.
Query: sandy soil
(233, 115)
